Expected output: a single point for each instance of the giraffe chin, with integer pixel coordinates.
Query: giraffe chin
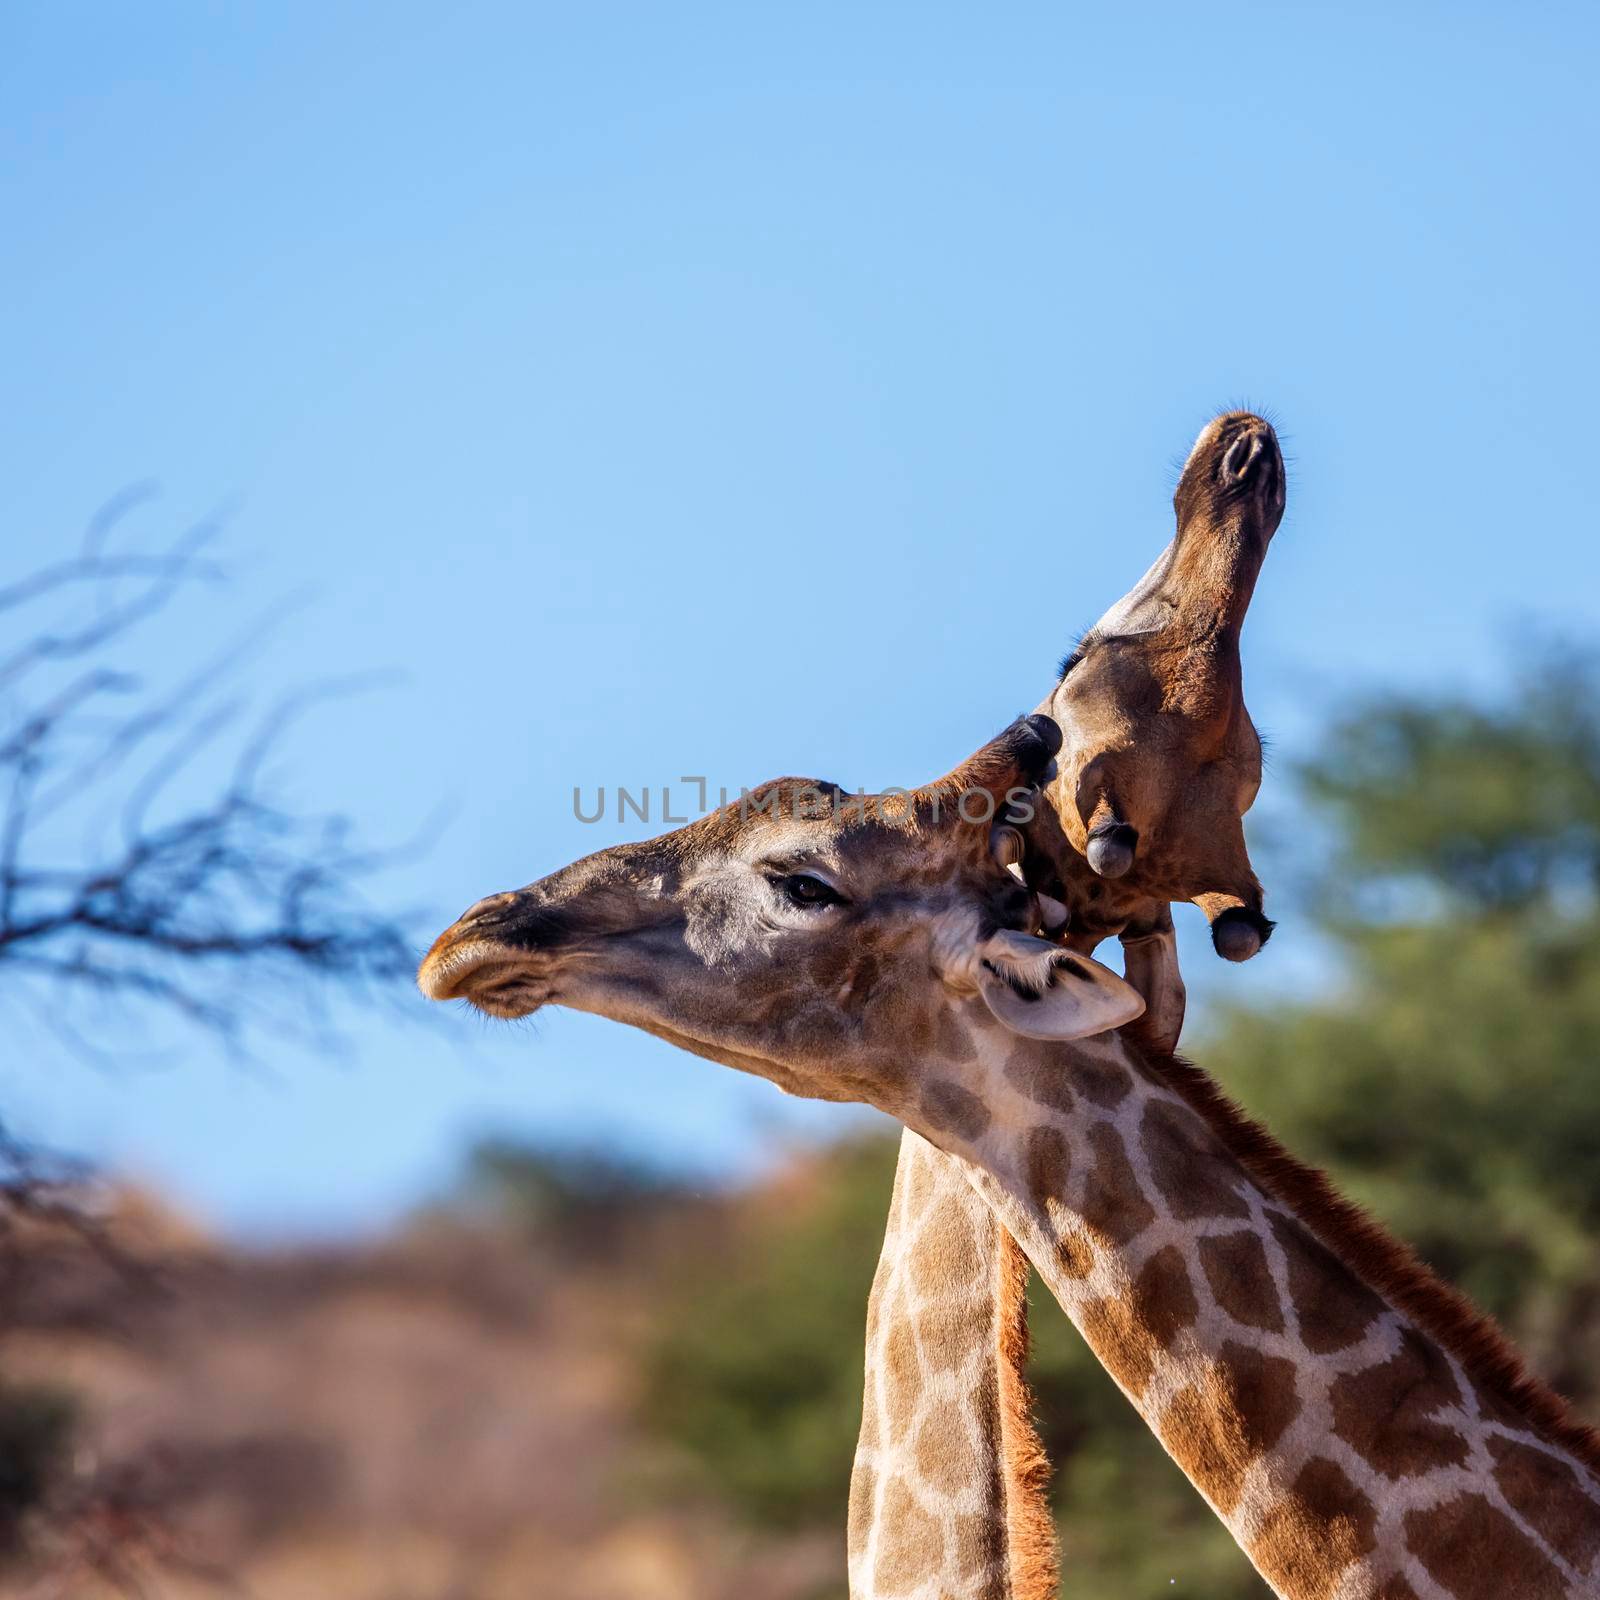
(490, 977)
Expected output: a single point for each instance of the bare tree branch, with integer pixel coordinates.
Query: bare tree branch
(228, 913)
(199, 897)
(161, 575)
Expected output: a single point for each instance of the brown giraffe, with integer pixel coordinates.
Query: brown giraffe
(951, 1285)
(1358, 1426)
(1161, 761)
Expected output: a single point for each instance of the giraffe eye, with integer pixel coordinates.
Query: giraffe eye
(802, 889)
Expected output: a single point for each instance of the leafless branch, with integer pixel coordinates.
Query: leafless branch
(198, 897)
(228, 910)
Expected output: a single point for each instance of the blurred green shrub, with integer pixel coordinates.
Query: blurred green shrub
(1453, 1081)
(571, 1202)
(752, 1369)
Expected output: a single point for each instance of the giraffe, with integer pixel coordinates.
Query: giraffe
(1160, 762)
(1357, 1425)
(952, 1283)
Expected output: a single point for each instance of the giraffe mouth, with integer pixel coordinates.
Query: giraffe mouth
(493, 978)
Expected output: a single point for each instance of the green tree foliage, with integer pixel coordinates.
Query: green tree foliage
(753, 1370)
(1450, 1082)
(1447, 1078)
(566, 1202)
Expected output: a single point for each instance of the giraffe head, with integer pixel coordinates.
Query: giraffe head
(1161, 760)
(822, 940)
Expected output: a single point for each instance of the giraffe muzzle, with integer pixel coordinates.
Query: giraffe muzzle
(1252, 467)
(497, 956)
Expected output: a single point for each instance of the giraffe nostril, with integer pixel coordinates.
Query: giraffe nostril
(1254, 454)
(485, 908)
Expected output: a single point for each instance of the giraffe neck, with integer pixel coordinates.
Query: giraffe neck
(1355, 1424)
(947, 1491)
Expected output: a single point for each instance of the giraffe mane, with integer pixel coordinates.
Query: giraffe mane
(1375, 1255)
(1030, 1528)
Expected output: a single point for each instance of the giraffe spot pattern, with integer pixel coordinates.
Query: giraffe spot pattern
(1475, 1552)
(1189, 1164)
(1394, 1587)
(953, 1042)
(1040, 1079)
(858, 1522)
(1163, 1297)
(1314, 1532)
(921, 1187)
(951, 1109)
(849, 974)
(1128, 1335)
(1075, 1256)
(1047, 1164)
(1216, 1427)
(867, 1439)
(874, 1314)
(1334, 1306)
(1113, 1204)
(946, 1335)
(1495, 1407)
(943, 1450)
(1225, 1421)
(1548, 1493)
(1235, 1265)
(957, 1267)
(979, 1544)
(1047, 1161)
(1386, 1413)
(1118, 1342)
(899, 1367)
(912, 1549)
(1107, 1083)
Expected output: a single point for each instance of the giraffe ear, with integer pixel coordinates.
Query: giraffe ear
(1041, 991)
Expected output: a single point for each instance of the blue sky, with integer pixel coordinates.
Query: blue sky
(736, 390)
